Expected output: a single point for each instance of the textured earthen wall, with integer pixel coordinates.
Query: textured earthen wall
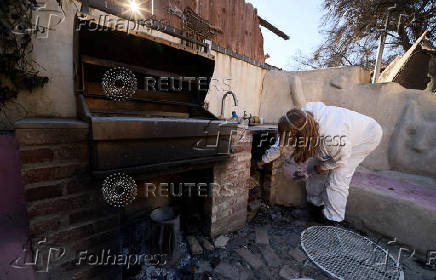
(316, 85)
(243, 78)
(406, 116)
(278, 186)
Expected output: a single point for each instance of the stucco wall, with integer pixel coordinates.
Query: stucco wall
(243, 78)
(316, 85)
(405, 146)
(53, 53)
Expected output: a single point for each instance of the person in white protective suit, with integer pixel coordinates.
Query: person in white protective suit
(336, 140)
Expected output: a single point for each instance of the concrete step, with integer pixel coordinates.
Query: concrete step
(397, 206)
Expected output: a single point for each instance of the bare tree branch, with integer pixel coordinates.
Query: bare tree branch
(350, 29)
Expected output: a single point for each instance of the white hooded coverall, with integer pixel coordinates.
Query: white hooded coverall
(347, 137)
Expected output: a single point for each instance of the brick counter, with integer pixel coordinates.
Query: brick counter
(229, 201)
(64, 204)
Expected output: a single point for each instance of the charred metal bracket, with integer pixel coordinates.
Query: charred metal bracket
(84, 12)
(172, 9)
(197, 26)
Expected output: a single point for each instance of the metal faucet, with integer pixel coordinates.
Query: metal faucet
(223, 101)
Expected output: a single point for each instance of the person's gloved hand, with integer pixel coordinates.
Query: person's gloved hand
(310, 169)
(260, 164)
(314, 169)
(299, 175)
(318, 169)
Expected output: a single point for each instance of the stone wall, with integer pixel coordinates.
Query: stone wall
(230, 196)
(64, 205)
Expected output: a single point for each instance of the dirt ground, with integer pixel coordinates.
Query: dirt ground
(268, 247)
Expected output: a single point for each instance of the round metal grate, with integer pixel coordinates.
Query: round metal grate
(346, 255)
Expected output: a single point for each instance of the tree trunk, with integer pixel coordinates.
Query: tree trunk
(405, 41)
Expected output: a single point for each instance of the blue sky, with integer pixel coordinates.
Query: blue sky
(299, 19)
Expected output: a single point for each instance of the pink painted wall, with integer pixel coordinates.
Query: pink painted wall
(13, 220)
(12, 192)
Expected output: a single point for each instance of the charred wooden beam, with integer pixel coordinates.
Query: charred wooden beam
(122, 128)
(272, 28)
(151, 170)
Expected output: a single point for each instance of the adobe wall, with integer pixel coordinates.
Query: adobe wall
(407, 116)
(316, 85)
(243, 78)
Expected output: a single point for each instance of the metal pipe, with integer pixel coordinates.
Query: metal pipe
(378, 60)
(223, 101)
(381, 45)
